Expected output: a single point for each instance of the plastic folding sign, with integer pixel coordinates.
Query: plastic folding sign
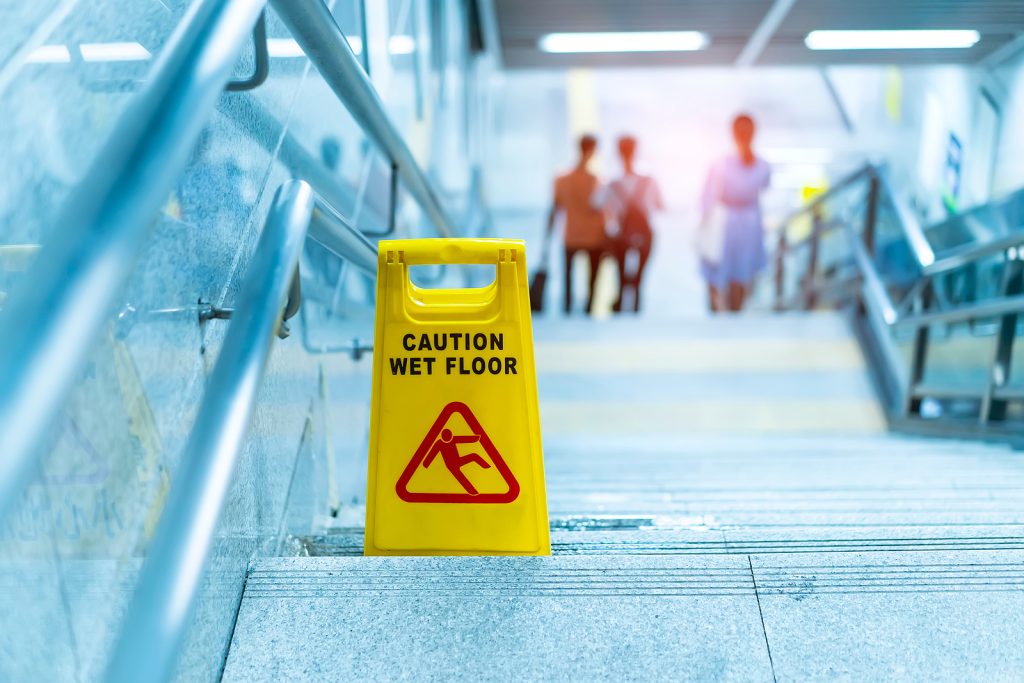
(455, 461)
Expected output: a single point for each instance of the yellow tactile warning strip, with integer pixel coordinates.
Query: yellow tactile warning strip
(704, 355)
(804, 416)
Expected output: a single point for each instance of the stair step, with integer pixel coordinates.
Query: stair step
(651, 617)
(649, 536)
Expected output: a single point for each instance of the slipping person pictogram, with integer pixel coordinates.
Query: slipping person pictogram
(448, 446)
(443, 439)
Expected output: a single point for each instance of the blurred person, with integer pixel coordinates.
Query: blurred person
(584, 224)
(631, 200)
(330, 153)
(731, 221)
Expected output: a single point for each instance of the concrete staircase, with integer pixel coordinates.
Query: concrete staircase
(725, 505)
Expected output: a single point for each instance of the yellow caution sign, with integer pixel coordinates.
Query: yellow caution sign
(455, 450)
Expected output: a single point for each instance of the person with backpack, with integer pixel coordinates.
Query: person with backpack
(631, 200)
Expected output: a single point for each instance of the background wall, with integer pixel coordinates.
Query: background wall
(814, 126)
(1009, 172)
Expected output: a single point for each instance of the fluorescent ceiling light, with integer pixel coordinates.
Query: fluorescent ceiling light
(890, 40)
(113, 52)
(632, 41)
(50, 54)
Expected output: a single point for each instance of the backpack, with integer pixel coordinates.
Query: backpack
(634, 225)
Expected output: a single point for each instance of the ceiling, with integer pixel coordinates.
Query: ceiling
(730, 23)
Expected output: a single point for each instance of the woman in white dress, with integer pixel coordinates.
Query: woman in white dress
(732, 193)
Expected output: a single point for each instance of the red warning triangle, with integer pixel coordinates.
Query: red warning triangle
(442, 444)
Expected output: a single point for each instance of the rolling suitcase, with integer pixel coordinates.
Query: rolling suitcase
(540, 278)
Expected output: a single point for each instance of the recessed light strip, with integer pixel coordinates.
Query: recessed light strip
(113, 52)
(286, 48)
(91, 52)
(630, 41)
(282, 48)
(891, 40)
(49, 54)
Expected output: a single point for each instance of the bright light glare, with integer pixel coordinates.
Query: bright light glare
(401, 45)
(891, 40)
(50, 54)
(633, 41)
(289, 48)
(284, 48)
(797, 155)
(796, 176)
(114, 52)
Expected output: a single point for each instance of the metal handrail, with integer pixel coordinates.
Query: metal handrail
(992, 308)
(317, 32)
(167, 587)
(973, 214)
(154, 627)
(249, 114)
(342, 238)
(60, 305)
(924, 254)
(875, 289)
(908, 223)
(829, 194)
(959, 257)
(917, 310)
(873, 285)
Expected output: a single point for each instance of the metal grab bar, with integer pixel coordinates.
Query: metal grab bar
(250, 115)
(829, 194)
(46, 332)
(154, 627)
(315, 29)
(875, 290)
(878, 317)
(908, 223)
(873, 286)
(992, 308)
(343, 239)
(956, 258)
(153, 630)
